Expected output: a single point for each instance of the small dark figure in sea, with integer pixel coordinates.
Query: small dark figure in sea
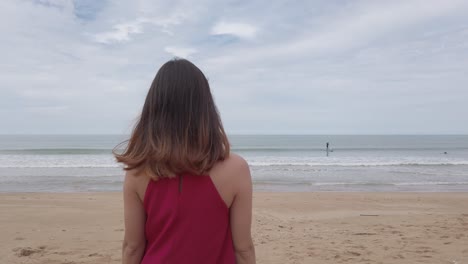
(445, 153)
(328, 148)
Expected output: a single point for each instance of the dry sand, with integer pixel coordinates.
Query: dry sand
(288, 228)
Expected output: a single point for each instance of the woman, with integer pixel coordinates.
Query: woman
(187, 199)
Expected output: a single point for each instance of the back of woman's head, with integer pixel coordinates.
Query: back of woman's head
(179, 130)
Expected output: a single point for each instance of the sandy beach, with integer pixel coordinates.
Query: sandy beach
(288, 228)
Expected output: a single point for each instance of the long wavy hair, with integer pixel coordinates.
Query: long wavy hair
(179, 129)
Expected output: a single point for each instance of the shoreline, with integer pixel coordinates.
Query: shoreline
(264, 190)
(288, 227)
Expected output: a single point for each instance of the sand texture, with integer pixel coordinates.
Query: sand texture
(288, 228)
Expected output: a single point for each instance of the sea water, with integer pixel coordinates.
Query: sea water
(84, 163)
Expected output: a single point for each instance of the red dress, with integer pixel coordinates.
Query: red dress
(186, 222)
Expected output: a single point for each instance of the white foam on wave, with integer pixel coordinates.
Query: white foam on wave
(58, 161)
(357, 164)
(430, 183)
(368, 160)
(62, 166)
(108, 161)
(388, 183)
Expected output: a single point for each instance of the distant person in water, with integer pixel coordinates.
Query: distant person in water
(328, 148)
(187, 199)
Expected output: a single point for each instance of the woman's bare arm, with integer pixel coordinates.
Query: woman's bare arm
(134, 217)
(241, 214)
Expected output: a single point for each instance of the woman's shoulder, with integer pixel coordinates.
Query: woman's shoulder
(233, 169)
(137, 182)
(231, 176)
(234, 163)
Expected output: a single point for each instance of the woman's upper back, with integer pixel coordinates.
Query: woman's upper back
(187, 222)
(188, 218)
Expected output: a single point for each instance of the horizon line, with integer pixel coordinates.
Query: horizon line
(246, 134)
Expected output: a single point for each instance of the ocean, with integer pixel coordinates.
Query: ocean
(84, 163)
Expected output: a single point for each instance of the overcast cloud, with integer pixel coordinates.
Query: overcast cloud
(275, 67)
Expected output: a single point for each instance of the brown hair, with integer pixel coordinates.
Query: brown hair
(179, 130)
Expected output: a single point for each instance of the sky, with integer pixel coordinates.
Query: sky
(274, 67)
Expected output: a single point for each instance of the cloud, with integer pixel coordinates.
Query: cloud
(241, 30)
(88, 9)
(179, 51)
(120, 33)
(123, 32)
(167, 22)
(315, 67)
(48, 110)
(353, 27)
(60, 4)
